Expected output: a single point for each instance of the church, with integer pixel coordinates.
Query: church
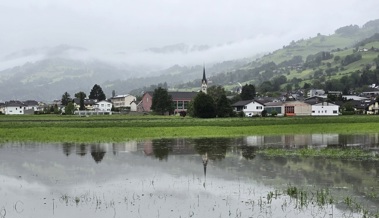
(180, 100)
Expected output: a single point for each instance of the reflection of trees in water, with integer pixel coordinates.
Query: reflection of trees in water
(214, 148)
(97, 153)
(81, 150)
(248, 152)
(162, 147)
(67, 148)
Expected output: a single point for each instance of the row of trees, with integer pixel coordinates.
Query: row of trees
(96, 93)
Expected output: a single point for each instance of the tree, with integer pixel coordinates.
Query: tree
(97, 93)
(65, 98)
(81, 96)
(204, 106)
(248, 92)
(162, 101)
(224, 109)
(69, 109)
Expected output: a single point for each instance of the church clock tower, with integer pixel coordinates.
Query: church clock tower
(204, 82)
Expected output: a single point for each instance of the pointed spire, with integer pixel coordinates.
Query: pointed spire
(204, 77)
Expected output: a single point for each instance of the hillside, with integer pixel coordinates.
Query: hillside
(312, 61)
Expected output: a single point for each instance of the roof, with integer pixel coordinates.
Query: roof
(86, 101)
(325, 104)
(274, 104)
(14, 104)
(246, 102)
(31, 103)
(182, 95)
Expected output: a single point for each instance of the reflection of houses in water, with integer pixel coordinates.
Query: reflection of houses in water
(294, 141)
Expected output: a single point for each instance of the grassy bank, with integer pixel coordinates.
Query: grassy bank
(122, 128)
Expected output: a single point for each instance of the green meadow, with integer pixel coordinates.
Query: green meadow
(119, 128)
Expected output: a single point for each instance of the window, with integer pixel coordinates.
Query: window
(259, 107)
(244, 107)
(180, 104)
(186, 104)
(313, 112)
(335, 112)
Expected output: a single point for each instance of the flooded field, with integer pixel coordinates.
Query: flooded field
(222, 177)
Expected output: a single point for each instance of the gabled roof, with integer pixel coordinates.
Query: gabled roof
(246, 102)
(103, 101)
(274, 104)
(14, 104)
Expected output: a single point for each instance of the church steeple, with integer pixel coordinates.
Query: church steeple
(204, 82)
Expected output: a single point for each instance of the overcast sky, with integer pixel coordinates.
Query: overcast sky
(109, 26)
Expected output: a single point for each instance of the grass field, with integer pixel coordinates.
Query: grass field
(117, 128)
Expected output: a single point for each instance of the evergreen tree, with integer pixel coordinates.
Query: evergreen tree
(248, 92)
(97, 93)
(65, 99)
(81, 96)
(204, 106)
(224, 109)
(162, 101)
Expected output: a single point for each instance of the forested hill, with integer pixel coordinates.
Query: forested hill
(318, 62)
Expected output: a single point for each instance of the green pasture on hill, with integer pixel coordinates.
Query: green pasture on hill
(118, 128)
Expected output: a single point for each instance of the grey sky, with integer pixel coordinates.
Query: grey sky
(109, 26)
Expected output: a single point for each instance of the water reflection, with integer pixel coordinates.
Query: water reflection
(181, 177)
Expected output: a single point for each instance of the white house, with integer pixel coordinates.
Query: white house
(325, 109)
(122, 101)
(103, 106)
(14, 107)
(249, 107)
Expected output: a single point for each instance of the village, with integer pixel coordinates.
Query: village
(315, 102)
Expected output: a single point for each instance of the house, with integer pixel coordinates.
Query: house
(133, 106)
(325, 109)
(181, 100)
(145, 103)
(123, 101)
(297, 108)
(14, 107)
(373, 108)
(315, 92)
(278, 107)
(249, 107)
(88, 103)
(103, 106)
(32, 105)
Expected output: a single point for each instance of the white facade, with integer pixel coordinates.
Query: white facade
(253, 108)
(103, 106)
(123, 100)
(325, 109)
(133, 106)
(14, 110)
(250, 108)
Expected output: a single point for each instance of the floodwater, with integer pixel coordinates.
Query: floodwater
(222, 177)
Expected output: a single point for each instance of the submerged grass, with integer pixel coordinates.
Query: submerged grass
(338, 153)
(118, 128)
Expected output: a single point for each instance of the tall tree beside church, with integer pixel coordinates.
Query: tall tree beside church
(203, 106)
(162, 101)
(248, 92)
(81, 96)
(97, 93)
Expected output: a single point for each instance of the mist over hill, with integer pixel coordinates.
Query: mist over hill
(46, 73)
